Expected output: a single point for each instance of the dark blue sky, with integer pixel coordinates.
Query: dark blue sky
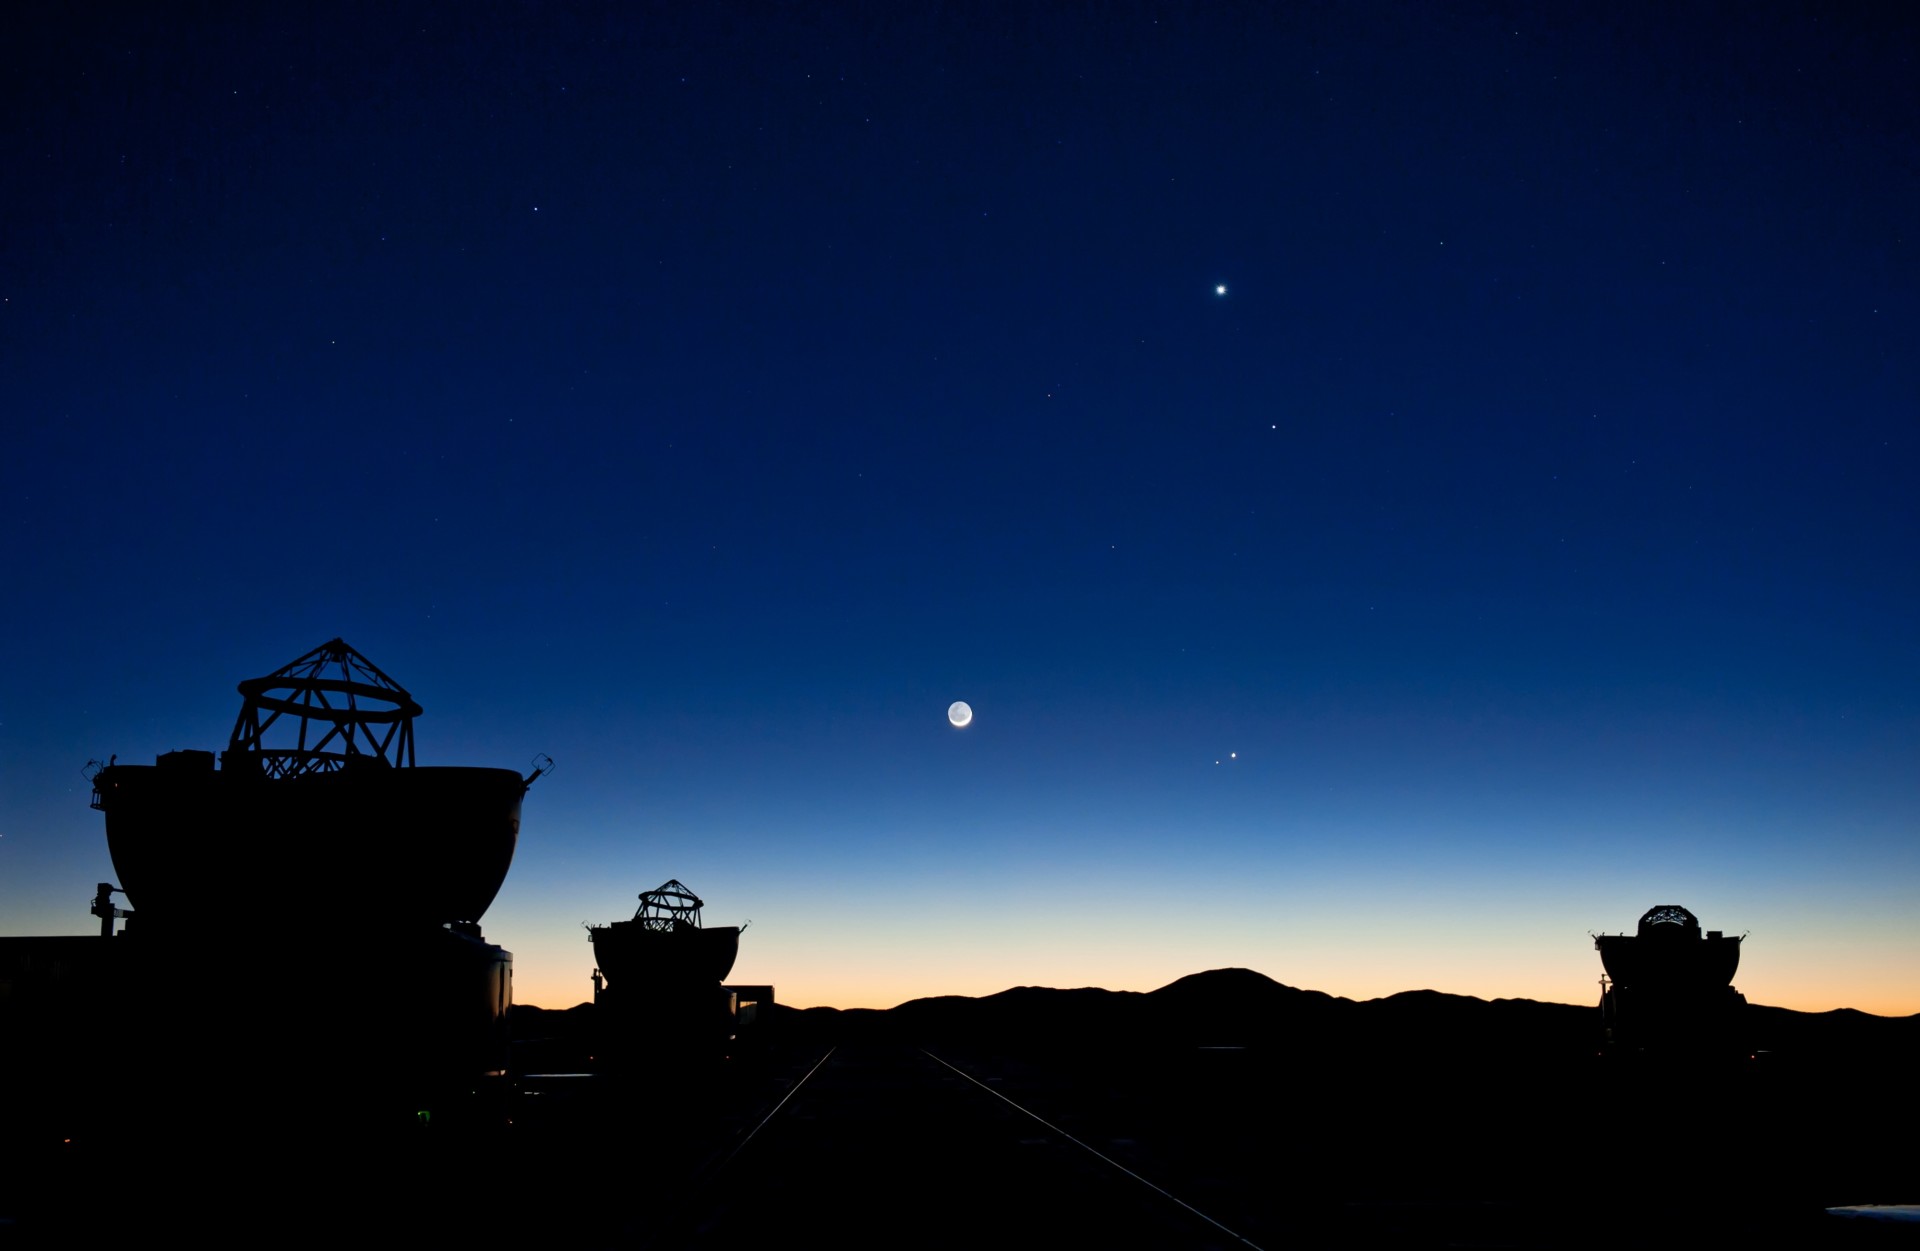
(708, 396)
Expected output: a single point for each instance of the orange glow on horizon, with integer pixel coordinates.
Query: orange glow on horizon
(815, 992)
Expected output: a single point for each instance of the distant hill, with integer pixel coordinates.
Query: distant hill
(1244, 1008)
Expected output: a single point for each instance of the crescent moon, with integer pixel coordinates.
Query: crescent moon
(960, 714)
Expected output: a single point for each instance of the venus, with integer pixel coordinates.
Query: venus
(960, 714)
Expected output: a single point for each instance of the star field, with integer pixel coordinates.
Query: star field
(1485, 435)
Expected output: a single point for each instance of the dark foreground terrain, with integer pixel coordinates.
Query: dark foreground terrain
(1223, 1111)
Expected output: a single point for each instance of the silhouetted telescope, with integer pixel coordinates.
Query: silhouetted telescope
(665, 943)
(1668, 952)
(317, 794)
(1669, 985)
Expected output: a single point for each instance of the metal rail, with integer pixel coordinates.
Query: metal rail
(720, 1165)
(1104, 1158)
(746, 1138)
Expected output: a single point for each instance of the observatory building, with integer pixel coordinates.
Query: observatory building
(1668, 986)
(659, 1002)
(314, 875)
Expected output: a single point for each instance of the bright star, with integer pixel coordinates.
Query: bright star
(1221, 289)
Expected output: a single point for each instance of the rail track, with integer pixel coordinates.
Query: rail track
(881, 1143)
(890, 1145)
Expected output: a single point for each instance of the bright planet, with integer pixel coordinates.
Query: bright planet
(959, 714)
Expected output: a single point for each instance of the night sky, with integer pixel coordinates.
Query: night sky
(709, 395)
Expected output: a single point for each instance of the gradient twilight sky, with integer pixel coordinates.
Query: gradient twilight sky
(708, 395)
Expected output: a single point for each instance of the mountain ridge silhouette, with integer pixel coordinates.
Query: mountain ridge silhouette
(1242, 1007)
